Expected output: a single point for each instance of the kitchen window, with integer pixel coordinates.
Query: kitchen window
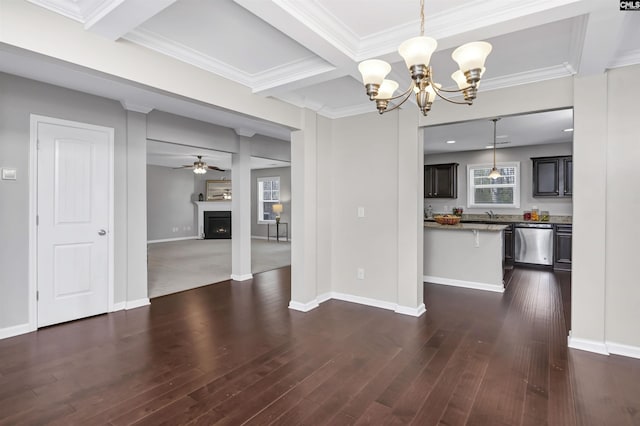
(484, 192)
(268, 195)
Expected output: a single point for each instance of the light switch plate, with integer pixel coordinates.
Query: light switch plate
(9, 174)
(360, 211)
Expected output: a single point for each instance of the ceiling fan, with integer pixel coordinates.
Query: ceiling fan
(200, 167)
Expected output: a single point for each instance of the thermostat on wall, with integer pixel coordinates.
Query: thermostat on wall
(9, 174)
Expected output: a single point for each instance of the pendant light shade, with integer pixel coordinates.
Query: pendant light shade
(495, 174)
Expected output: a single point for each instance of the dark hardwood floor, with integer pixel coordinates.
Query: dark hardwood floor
(233, 353)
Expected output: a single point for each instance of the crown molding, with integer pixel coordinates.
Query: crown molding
(144, 109)
(290, 72)
(576, 43)
(280, 75)
(628, 58)
(247, 133)
(67, 8)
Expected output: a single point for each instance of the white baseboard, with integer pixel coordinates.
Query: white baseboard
(588, 345)
(15, 330)
(403, 310)
(414, 312)
(168, 240)
(363, 301)
(258, 237)
(244, 277)
(131, 304)
(465, 284)
(303, 307)
(624, 350)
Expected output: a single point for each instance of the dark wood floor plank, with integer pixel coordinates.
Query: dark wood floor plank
(233, 353)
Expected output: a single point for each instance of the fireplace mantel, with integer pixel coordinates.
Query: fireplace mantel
(206, 206)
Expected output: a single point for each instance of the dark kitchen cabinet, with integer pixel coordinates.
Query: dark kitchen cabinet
(508, 245)
(553, 176)
(441, 180)
(562, 247)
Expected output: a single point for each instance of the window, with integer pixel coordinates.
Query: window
(268, 195)
(485, 192)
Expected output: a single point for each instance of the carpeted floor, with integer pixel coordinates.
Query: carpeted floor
(181, 265)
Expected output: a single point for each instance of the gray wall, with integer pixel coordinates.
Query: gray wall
(20, 98)
(170, 208)
(260, 230)
(558, 206)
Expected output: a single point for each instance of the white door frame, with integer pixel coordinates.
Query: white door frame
(33, 208)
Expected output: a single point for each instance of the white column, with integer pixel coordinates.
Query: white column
(137, 285)
(241, 211)
(410, 211)
(589, 230)
(304, 214)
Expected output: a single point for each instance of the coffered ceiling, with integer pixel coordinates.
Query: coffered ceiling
(306, 52)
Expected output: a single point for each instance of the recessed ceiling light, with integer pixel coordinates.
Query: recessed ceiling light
(451, 141)
(489, 146)
(570, 129)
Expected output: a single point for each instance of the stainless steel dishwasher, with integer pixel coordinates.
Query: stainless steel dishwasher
(534, 243)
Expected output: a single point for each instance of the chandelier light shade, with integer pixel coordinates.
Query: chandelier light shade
(495, 173)
(416, 53)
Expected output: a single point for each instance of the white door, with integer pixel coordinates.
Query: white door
(73, 188)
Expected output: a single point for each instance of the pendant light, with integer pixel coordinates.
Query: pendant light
(495, 174)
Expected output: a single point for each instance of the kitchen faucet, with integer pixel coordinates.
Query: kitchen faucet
(491, 214)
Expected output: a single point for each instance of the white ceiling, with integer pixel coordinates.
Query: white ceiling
(306, 52)
(175, 155)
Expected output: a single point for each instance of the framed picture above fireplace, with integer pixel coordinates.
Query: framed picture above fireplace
(218, 190)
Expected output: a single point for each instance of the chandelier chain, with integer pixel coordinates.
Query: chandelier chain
(421, 18)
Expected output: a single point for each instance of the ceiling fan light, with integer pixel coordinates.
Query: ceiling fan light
(374, 71)
(472, 55)
(386, 89)
(417, 50)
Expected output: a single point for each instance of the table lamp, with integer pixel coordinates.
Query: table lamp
(277, 209)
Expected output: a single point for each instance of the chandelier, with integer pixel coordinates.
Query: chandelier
(417, 53)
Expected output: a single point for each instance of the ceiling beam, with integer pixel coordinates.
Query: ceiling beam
(118, 17)
(602, 36)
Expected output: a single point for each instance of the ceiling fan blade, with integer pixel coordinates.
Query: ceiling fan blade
(216, 168)
(188, 166)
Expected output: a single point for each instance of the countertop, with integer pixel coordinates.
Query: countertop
(467, 218)
(468, 226)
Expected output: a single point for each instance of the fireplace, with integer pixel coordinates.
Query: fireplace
(217, 225)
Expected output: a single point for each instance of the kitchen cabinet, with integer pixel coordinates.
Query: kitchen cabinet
(553, 176)
(441, 180)
(562, 247)
(508, 244)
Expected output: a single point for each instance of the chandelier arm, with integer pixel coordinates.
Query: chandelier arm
(453, 102)
(408, 95)
(409, 90)
(451, 91)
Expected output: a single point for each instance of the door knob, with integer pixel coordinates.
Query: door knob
(102, 232)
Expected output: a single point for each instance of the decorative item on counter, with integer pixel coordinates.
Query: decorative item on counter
(526, 215)
(457, 211)
(544, 215)
(447, 219)
(428, 212)
(534, 214)
(201, 197)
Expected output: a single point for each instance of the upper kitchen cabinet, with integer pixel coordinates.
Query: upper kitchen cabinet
(553, 176)
(441, 180)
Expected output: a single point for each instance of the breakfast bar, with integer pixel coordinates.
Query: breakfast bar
(464, 255)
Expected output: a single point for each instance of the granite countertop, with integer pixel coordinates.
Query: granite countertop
(467, 226)
(509, 219)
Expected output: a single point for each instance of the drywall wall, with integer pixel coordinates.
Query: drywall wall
(170, 208)
(623, 199)
(284, 173)
(523, 155)
(364, 174)
(20, 98)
